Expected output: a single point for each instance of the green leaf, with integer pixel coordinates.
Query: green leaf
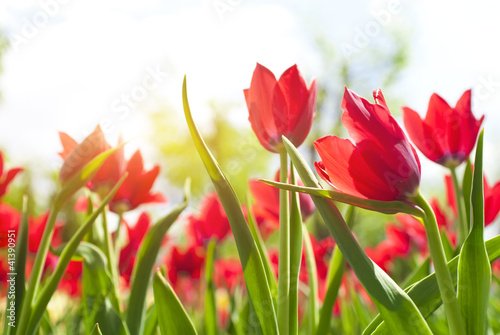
(295, 256)
(474, 270)
(210, 308)
(21, 251)
(172, 317)
(426, 294)
(48, 290)
(386, 207)
(392, 302)
(96, 330)
(253, 268)
(146, 259)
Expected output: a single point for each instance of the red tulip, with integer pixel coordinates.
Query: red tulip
(382, 165)
(283, 107)
(491, 199)
(446, 135)
(128, 254)
(185, 263)
(211, 222)
(9, 220)
(136, 189)
(6, 178)
(111, 170)
(76, 156)
(228, 274)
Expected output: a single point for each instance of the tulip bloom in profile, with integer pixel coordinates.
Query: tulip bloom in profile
(76, 156)
(283, 107)
(6, 178)
(446, 135)
(381, 165)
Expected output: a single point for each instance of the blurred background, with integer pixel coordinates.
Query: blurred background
(69, 65)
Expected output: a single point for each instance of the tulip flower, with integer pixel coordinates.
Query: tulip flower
(5, 179)
(283, 107)
(76, 156)
(228, 274)
(9, 220)
(128, 254)
(381, 165)
(447, 135)
(211, 222)
(111, 170)
(136, 189)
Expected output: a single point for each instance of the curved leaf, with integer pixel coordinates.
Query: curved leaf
(146, 259)
(172, 317)
(386, 207)
(253, 268)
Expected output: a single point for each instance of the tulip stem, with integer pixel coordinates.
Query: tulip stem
(108, 251)
(36, 272)
(445, 283)
(463, 225)
(284, 250)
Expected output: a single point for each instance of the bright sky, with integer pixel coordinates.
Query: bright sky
(73, 64)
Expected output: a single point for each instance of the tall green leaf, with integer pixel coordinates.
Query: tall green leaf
(392, 302)
(253, 268)
(474, 270)
(146, 259)
(172, 317)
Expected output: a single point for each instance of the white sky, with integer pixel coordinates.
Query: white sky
(72, 70)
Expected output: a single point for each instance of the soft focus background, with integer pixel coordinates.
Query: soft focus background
(69, 65)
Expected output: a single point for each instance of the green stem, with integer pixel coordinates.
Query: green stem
(112, 268)
(463, 226)
(36, 272)
(445, 283)
(118, 242)
(284, 250)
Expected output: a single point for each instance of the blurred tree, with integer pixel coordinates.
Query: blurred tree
(236, 149)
